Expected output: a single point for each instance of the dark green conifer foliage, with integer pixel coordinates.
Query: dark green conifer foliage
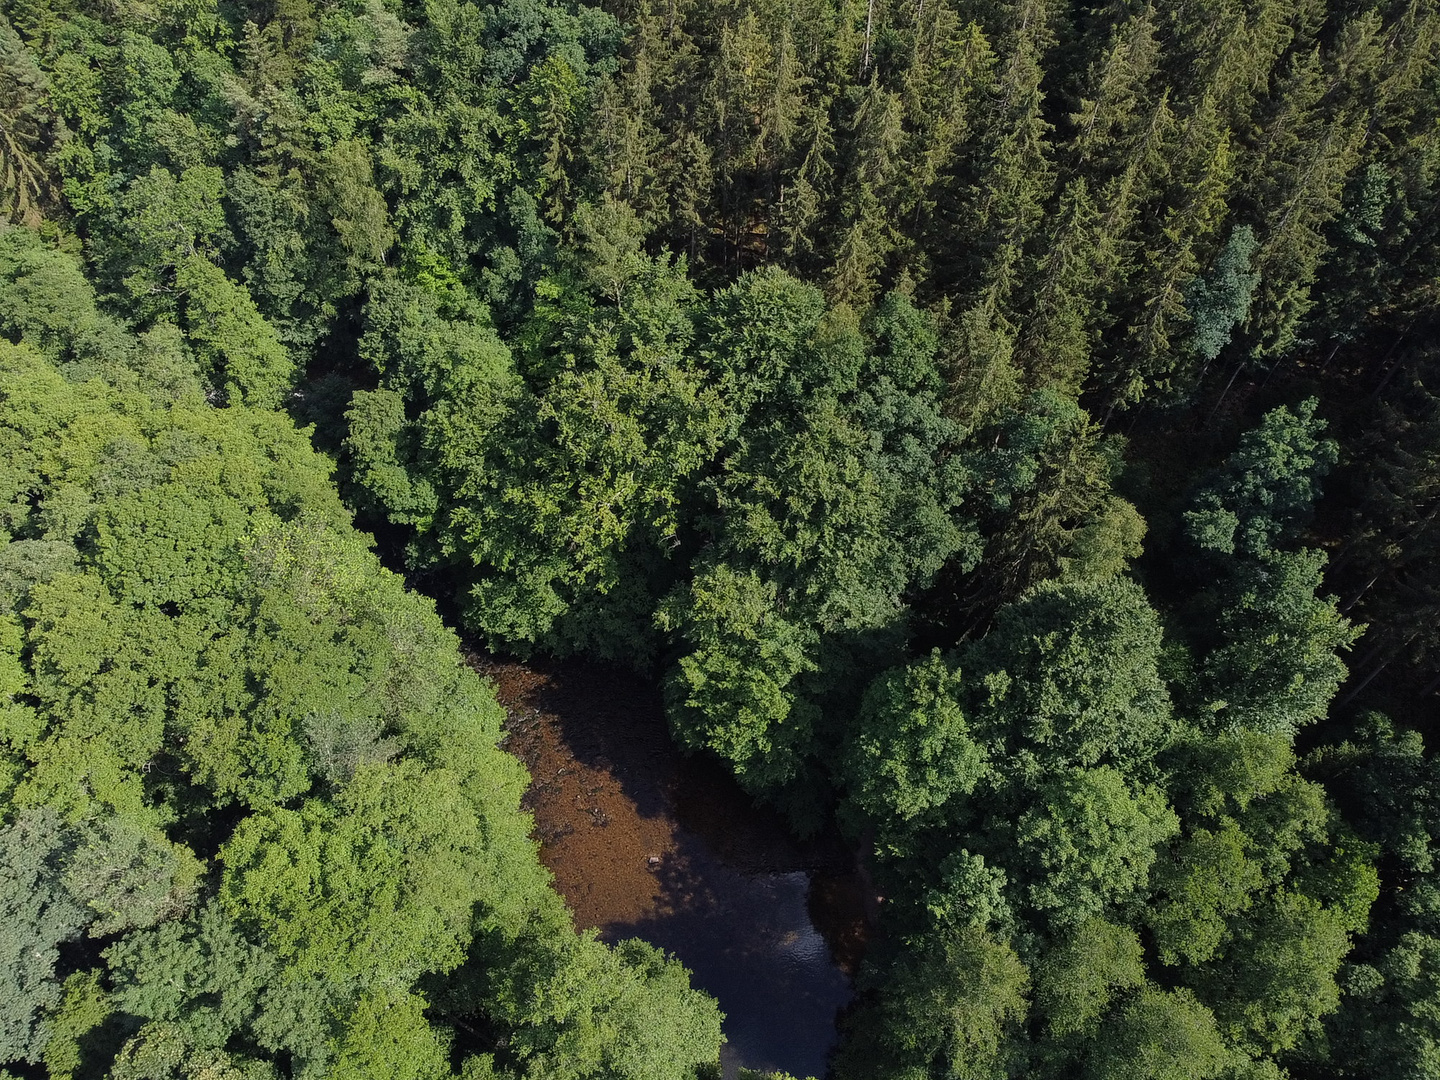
(1220, 301)
(1054, 347)
(1186, 214)
(1304, 157)
(1385, 1025)
(869, 238)
(1264, 495)
(1393, 526)
(1003, 199)
(30, 130)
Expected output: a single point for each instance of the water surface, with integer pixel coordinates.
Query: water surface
(646, 843)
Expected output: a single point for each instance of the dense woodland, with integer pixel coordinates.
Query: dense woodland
(1008, 430)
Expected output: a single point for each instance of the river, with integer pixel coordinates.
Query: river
(644, 842)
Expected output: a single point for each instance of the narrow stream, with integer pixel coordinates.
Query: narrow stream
(644, 842)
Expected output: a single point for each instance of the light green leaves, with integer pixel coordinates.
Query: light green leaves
(1083, 972)
(1159, 1035)
(378, 882)
(1081, 684)
(729, 693)
(1092, 841)
(912, 749)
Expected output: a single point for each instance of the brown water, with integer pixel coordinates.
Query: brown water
(644, 842)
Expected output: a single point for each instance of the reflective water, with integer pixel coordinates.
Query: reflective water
(646, 843)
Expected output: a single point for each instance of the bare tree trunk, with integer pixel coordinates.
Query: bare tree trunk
(1364, 683)
(1393, 367)
(1221, 400)
(1431, 687)
(1363, 590)
(869, 29)
(1333, 351)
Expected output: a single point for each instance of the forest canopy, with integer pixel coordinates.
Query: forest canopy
(256, 823)
(1007, 432)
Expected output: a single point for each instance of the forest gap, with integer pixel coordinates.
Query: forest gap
(644, 842)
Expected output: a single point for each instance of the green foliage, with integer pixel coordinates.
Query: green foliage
(1278, 978)
(1267, 641)
(911, 749)
(1220, 301)
(130, 878)
(31, 128)
(171, 219)
(1257, 826)
(1206, 881)
(587, 478)
(235, 345)
(1126, 817)
(1041, 493)
(1159, 1035)
(380, 878)
(199, 654)
(202, 976)
(1264, 495)
(729, 693)
(387, 1037)
(1069, 676)
(835, 493)
(1107, 545)
(380, 442)
(544, 277)
(1092, 840)
(581, 1010)
(1079, 977)
(945, 1006)
(161, 1052)
(49, 304)
(37, 914)
(1386, 1022)
(1398, 1037)
(83, 1011)
(969, 893)
(1277, 668)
